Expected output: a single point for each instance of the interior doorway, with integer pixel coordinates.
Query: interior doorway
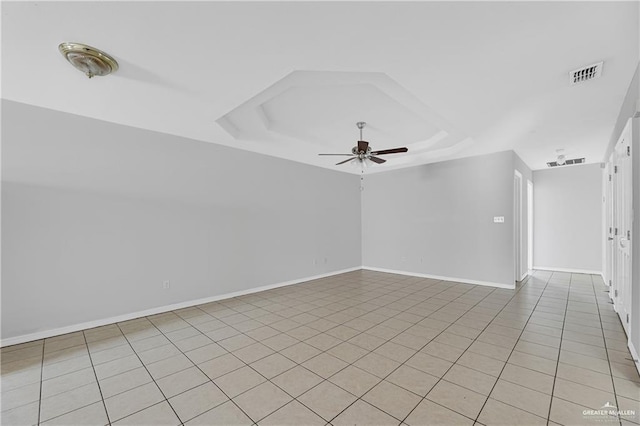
(529, 226)
(517, 222)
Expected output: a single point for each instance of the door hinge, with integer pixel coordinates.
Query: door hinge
(627, 318)
(616, 293)
(616, 232)
(628, 235)
(615, 169)
(629, 151)
(610, 230)
(609, 283)
(609, 178)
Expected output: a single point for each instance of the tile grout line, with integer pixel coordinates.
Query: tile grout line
(564, 322)
(61, 393)
(455, 362)
(514, 348)
(198, 367)
(386, 341)
(348, 364)
(359, 398)
(505, 362)
(152, 379)
(613, 384)
(390, 339)
(321, 352)
(182, 352)
(41, 382)
(96, 376)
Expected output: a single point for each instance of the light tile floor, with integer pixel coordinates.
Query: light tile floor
(362, 348)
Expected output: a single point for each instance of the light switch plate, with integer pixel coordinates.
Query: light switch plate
(498, 219)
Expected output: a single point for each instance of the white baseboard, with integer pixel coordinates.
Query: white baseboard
(105, 321)
(439, 277)
(524, 275)
(570, 270)
(634, 355)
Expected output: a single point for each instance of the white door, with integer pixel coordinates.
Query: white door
(609, 225)
(622, 231)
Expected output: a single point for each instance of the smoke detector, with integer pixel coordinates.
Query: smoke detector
(583, 74)
(87, 59)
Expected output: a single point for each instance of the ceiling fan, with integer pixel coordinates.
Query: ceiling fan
(363, 151)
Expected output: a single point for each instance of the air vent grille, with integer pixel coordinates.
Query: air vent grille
(585, 73)
(566, 163)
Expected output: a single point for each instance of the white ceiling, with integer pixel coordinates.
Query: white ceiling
(447, 80)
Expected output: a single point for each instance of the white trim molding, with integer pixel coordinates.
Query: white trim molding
(570, 270)
(634, 355)
(161, 309)
(439, 277)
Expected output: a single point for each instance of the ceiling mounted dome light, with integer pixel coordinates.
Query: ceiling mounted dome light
(87, 59)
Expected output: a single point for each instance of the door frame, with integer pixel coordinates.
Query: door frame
(623, 217)
(517, 224)
(529, 226)
(608, 226)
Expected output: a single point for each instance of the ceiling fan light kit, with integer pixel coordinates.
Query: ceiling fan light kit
(362, 151)
(89, 60)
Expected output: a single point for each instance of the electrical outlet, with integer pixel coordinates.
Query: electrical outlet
(166, 285)
(498, 219)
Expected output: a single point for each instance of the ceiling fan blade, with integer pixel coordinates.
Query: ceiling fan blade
(377, 160)
(336, 154)
(363, 145)
(390, 151)
(345, 161)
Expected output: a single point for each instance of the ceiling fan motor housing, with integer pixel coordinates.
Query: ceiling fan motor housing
(361, 154)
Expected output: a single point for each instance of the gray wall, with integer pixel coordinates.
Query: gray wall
(568, 218)
(437, 219)
(95, 216)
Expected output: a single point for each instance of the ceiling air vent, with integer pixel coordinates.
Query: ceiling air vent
(585, 73)
(566, 163)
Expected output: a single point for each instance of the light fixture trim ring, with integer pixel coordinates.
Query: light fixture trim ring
(107, 63)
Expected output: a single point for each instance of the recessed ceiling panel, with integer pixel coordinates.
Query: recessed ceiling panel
(326, 115)
(321, 108)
